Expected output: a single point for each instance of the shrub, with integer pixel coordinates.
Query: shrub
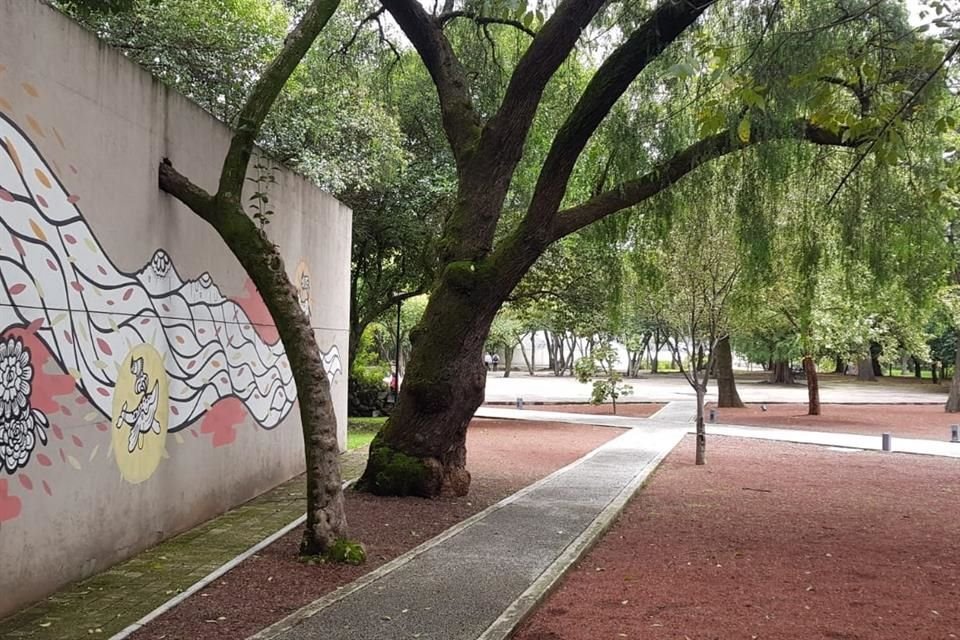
(366, 391)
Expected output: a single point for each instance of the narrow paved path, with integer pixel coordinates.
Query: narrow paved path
(477, 579)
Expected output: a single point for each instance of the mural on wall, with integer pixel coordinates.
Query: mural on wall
(150, 351)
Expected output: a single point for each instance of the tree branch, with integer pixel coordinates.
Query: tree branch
(460, 120)
(507, 130)
(611, 80)
(485, 20)
(179, 186)
(371, 17)
(665, 174)
(264, 94)
(390, 301)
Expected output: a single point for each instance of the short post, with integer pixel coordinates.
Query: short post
(519, 402)
(887, 441)
(955, 433)
(713, 416)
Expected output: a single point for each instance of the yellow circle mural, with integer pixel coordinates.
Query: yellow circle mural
(140, 413)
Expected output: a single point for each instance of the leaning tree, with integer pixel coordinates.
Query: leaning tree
(483, 254)
(261, 259)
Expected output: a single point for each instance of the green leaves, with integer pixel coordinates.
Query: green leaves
(743, 130)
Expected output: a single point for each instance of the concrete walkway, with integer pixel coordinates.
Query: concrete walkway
(499, 413)
(682, 414)
(670, 387)
(845, 440)
(478, 579)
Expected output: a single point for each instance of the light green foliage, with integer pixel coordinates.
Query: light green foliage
(599, 368)
(347, 552)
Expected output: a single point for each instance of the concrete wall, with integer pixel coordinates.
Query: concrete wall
(142, 386)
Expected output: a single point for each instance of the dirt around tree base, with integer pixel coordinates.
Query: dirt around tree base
(772, 541)
(503, 456)
(928, 421)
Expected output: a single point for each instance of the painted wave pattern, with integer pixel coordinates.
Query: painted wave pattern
(56, 276)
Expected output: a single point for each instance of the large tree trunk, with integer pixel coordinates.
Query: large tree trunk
(780, 372)
(727, 395)
(813, 386)
(701, 454)
(917, 367)
(865, 370)
(839, 365)
(507, 361)
(933, 372)
(422, 448)
(953, 400)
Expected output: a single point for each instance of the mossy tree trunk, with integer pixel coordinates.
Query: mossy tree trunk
(727, 395)
(422, 448)
(261, 259)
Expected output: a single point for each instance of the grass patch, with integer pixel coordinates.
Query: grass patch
(360, 431)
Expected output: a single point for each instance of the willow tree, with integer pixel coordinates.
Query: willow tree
(483, 254)
(261, 259)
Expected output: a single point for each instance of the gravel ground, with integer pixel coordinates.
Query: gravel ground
(772, 541)
(905, 420)
(504, 456)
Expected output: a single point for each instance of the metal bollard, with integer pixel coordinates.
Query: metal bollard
(519, 402)
(713, 416)
(887, 442)
(955, 433)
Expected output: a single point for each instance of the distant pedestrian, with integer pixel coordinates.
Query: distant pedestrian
(496, 361)
(487, 360)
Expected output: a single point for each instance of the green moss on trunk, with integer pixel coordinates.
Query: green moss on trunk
(393, 473)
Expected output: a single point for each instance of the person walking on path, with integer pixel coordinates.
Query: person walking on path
(496, 361)
(487, 360)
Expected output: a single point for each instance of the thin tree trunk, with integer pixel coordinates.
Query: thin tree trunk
(917, 367)
(507, 361)
(933, 372)
(727, 396)
(261, 259)
(701, 455)
(953, 400)
(533, 353)
(526, 360)
(813, 386)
